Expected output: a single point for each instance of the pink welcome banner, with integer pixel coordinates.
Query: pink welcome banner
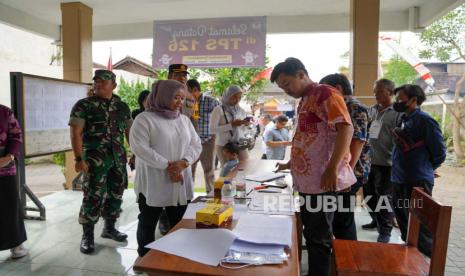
(221, 42)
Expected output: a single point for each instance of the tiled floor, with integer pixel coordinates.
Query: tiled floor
(54, 243)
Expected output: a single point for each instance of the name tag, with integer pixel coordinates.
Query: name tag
(375, 129)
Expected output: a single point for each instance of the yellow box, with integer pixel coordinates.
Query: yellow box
(214, 216)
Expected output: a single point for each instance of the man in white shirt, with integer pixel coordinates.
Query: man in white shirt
(267, 122)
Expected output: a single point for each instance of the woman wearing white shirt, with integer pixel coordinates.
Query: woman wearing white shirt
(224, 128)
(165, 144)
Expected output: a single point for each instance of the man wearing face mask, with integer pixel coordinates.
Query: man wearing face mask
(98, 125)
(419, 150)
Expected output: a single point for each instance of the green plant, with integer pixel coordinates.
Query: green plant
(222, 78)
(199, 190)
(447, 133)
(400, 71)
(59, 159)
(129, 91)
(445, 40)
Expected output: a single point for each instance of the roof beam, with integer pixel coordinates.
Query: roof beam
(389, 21)
(433, 10)
(27, 22)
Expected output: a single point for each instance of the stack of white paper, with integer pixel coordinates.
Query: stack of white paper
(207, 246)
(263, 229)
(242, 246)
(261, 239)
(272, 204)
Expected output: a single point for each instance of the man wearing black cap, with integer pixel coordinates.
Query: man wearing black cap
(98, 126)
(179, 72)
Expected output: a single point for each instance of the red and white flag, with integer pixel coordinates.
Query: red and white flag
(414, 61)
(110, 63)
(265, 74)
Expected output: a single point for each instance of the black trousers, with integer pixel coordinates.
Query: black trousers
(344, 226)
(12, 230)
(318, 232)
(402, 193)
(379, 188)
(148, 218)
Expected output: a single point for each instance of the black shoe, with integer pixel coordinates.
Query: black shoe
(110, 232)
(370, 226)
(87, 241)
(384, 238)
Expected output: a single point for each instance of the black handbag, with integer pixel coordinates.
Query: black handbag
(243, 142)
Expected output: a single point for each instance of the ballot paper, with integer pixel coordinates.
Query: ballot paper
(264, 176)
(196, 244)
(264, 229)
(268, 249)
(272, 203)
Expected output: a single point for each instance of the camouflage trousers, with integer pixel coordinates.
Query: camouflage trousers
(103, 190)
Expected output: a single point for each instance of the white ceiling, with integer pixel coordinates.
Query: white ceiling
(134, 17)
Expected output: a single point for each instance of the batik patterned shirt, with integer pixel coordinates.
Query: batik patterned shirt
(360, 120)
(320, 109)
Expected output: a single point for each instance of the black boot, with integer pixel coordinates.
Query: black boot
(87, 242)
(110, 232)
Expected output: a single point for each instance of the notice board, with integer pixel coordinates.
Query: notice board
(42, 106)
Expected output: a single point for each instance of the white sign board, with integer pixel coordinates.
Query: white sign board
(47, 106)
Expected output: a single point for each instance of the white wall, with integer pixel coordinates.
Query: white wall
(21, 51)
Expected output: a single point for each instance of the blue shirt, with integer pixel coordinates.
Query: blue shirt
(276, 135)
(206, 106)
(228, 167)
(419, 162)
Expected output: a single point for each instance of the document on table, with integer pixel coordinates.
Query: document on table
(266, 249)
(272, 203)
(264, 176)
(264, 229)
(206, 246)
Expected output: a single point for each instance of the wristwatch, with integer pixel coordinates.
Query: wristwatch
(78, 159)
(12, 157)
(187, 162)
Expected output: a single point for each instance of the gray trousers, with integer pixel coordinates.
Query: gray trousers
(206, 159)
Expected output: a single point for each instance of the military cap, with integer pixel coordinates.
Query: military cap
(104, 74)
(177, 68)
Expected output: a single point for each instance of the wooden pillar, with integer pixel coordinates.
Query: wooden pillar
(76, 21)
(364, 32)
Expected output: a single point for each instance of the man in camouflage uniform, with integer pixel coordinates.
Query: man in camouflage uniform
(98, 126)
(344, 222)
